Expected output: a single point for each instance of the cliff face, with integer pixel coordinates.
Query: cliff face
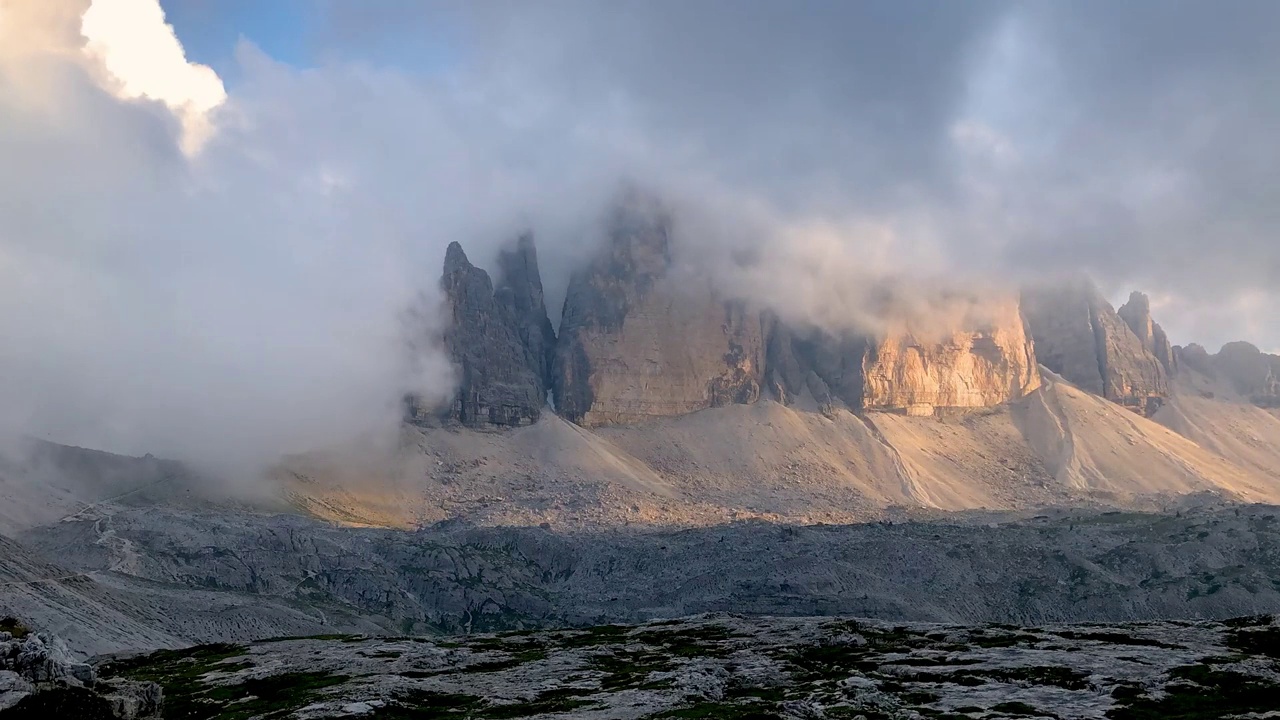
(520, 291)
(1079, 336)
(636, 342)
(1137, 315)
(971, 368)
(805, 366)
(967, 369)
(498, 380)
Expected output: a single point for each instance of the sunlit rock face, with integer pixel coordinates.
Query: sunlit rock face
(901, 370)
(1137, 315)
(638, 339)
(1079, 336)
(968, 368)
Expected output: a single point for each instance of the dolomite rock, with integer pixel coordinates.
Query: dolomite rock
(1251, 372)
(1137, 315)
(498, 383)
(969, 369)
(900, 371)
(639, 340)
(1079, 336)
(520, 291)
(811, 366)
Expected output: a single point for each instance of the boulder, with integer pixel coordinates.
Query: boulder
(640, 340)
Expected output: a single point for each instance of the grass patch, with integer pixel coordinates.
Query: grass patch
(421, 704)
(188, 697)
(1020, 709)
(1201, 692)
(549, 701)
(630, 669)
(1263, 641)
(1116, 638)
(720, 711)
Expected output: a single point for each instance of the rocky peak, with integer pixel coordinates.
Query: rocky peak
(635, 343)
(1137, 315)
(498, 382)
(520, 291)
(1079, 336)
(1253, 373)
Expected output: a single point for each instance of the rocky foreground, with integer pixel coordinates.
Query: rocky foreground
(722, 666)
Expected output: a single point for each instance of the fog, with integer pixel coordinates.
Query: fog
(220, 271)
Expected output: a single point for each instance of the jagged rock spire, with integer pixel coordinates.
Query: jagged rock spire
(498, 383)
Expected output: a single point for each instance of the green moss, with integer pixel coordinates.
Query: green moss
(720, 711)
(61, 702)
(831, 661)
(696, 641)
(338, 637)
(1201, 692)
(427, 705)
(189, 697)
(1020, 709)
(630, 669)
(1116, 638)
(1065, 678)
(550, 701)
(14, 627)
(1257, 641)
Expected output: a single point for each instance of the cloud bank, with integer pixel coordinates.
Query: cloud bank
(219, 271)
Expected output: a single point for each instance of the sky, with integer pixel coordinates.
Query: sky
(213, 213)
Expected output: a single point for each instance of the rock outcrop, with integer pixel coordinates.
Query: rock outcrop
(1137, 315)
(970, 368)
(639, 340)
(1079, 336)
(808, 365)
(39, 679)
(1252, 373)
(520, 291)
(902, 370)
(499, 384)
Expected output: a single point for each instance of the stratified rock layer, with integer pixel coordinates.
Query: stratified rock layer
(638, 342)
(1079, 336)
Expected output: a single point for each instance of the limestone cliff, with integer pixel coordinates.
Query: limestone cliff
(901, 370)
(970, 368)
(520, 291)
(638, 342)
(809, 366)
(1137, 315)
(1079, 336)
(498, 381)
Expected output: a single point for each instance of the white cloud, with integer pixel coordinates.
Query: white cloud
(145, 60)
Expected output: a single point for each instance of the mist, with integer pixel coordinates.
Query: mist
(218, 269)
